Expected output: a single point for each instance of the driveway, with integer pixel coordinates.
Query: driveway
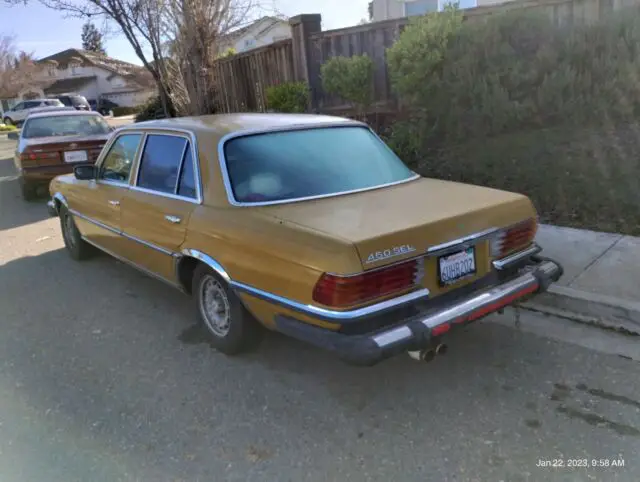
(103, 377)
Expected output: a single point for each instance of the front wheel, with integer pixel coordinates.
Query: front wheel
(77, 247)
(230, 327)
(7, 121)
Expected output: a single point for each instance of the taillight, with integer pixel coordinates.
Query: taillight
(35, 157)
(343, 291)
(513, 238)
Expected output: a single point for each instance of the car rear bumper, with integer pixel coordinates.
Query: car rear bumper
(46, 173)
(419, 331)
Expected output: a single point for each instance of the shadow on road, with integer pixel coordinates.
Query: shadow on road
(14, 211)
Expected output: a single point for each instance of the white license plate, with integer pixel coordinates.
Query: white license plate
(75, 156)
(453, 267)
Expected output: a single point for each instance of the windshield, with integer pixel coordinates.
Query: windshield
(290, 165)
(59, 125)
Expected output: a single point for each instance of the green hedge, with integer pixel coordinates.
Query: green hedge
(290, 97)
(516, 103)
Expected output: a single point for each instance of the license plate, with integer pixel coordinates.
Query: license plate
(75, 156)
(455, 266)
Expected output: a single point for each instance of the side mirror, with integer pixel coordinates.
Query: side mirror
(13, 135)
(84, 173)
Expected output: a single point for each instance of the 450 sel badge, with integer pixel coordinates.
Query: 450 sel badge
(390, 253)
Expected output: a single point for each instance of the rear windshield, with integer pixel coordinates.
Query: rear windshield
(53, 103)
(297, 164)
(77, 100)
(59, 125)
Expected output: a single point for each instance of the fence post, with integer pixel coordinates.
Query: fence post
(304, 66)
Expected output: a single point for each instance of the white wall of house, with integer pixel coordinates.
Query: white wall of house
(130, 99)
(389, 9)
(254, 38)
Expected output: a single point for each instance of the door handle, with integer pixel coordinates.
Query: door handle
(114, 203)
(173, 219)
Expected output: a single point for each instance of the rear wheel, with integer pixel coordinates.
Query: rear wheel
(77, 247)
(230, 327)
(7, 121)
(29, 190)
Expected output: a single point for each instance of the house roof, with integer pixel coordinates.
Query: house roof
(68, 85)
(133, 73)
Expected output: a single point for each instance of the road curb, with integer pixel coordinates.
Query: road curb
(603, 311)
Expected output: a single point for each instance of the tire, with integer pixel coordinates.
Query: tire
(7, 121)
(240, 332)
(77, 247)
(28, 189)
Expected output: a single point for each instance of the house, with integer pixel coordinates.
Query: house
(89, 74)
(388, 9)
(264, 31)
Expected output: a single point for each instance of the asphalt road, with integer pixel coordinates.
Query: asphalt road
(104, 378)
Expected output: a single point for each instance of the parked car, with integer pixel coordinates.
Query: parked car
(309, 225)
(53, 142)
(76, 101)
(18, 113)
(104, 106)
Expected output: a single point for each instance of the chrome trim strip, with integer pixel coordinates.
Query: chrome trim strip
(164, 194)
(296, 127)
(209, 261)
(93, 221)
(459, 243)
(466, 307)
(514, 258)
(327, 314)
(147, 244)
(135, 265)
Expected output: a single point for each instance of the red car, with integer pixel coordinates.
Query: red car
(52, 143)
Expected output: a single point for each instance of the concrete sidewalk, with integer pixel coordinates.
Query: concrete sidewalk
(601, 283)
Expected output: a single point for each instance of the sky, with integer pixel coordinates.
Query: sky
(44, 31)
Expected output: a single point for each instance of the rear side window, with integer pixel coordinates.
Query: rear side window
(187, 184)
(161, 161)
(289, 165)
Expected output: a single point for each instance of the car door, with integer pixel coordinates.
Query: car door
(97, 203)
(155, 212)
(15, 112)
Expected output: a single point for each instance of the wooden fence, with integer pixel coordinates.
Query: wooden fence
(242, 79)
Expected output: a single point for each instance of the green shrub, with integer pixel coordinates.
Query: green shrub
(151, 110)
(350, 78)
(292, 97)
(6, 128)
(121, 110)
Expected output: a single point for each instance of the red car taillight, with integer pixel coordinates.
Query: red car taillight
(34, 158)
(343, 291)
(513, 238)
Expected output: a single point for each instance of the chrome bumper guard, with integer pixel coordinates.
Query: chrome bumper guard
(51, 207)
(417, 332)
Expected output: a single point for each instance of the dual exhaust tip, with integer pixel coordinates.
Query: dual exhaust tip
(428, 354)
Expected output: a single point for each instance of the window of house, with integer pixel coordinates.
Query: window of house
(420, 7)
(52, 70)
(118, 161)
(249, 43)
(160, 166)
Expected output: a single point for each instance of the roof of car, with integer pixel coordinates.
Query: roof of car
(229, 123)
(60, 111)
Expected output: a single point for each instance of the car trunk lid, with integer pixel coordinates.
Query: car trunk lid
(424, 216)
(60, 150)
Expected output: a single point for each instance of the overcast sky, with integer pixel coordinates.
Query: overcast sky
(44, 31)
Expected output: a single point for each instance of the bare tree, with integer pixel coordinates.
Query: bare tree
(18, 69)
(187, 29)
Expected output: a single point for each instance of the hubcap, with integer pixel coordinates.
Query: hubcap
(68, 229)
(214, 306)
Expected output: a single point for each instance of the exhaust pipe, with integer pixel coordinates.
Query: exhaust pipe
(423, 355)
(441, 349)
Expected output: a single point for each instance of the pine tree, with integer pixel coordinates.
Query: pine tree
(92, 39)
